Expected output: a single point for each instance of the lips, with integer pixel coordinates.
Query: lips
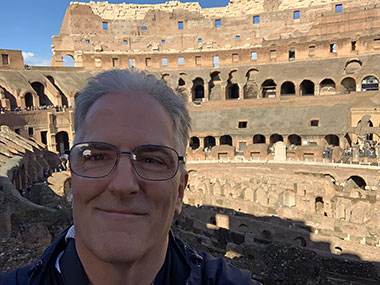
(126, 212)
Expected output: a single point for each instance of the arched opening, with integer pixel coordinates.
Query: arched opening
(194, 143)
(288, 89)
(332, 140)
(307, 88)
(370, 83)
(348, 85)
(214, 87)
(300, 241)
(209, 142)
(368, 137)
(276, 138)
(251, 88)
(181, 82)
(43, 98)
(226, 139)
(327, 86)
(268, 89)
(29, 100)
(198, 90)
(294, 139)
(68, 61)
(233, 91)
(6, 95)
(319, 204)
(258, 139)
(62, 141)
(359, 181)
(64, 101)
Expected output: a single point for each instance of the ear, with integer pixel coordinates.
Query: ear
(181, 190)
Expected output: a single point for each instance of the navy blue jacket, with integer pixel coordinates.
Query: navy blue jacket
(205, 269)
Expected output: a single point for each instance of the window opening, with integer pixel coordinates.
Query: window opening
(181, 61)
(144, 28)
(311, 50)
(87, 42)
(333, 47)
(235, 57)
(131, 63)
(30, 131)
(314, 123)
(125, 42)
(198, 60)
(218, 23)
(164, 61)
(105, 26)
(44, 137)
(353, 45)
(216, 61)
(296, 15)
(162, 42)
(256, 19)
(243, 125)
(5, 59)
(272, 54)
(237, 38)
(115, 62)
(292, 54)
(180, 25)
(338, 8)
(253, 55)
(148, 61)
(199, 40)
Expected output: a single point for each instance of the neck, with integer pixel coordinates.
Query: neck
(128, 272)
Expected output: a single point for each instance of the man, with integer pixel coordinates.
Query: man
(128, 181)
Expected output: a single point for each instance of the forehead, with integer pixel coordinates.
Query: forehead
(133, 117)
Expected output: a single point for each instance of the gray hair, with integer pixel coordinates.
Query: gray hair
(127, 81)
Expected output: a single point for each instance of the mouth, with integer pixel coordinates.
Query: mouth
(121, 212)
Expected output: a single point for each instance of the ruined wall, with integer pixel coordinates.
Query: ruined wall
(11, 59)
(102, 35)
(330, 212)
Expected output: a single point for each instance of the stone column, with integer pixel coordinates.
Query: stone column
(355, 153)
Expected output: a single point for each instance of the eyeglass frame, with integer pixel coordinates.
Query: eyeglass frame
(132, 155)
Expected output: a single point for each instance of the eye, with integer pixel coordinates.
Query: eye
(90, 156)
(151, 160)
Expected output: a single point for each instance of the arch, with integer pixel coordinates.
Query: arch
(29, 100)
(226, 139)
(181, 82)
(198, 92)
(370, 124)
(300, 241)
(259, 139)
(353, 65)
(359, 181)
(194, 143)
(348, 85)
(327, 85)
(288, 89)
(268, 89)
(250, 89)
(6, 95)
(43, 98)
(62, 142)
(319, 204)
(294, 139)
(209, 142)
(276, 138)
(214, 87)
(307, 88)
(232, 91)
(68, 60)
(370, 83)
(64, 101)
(332, 140)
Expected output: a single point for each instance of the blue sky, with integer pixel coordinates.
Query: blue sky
(28, 25)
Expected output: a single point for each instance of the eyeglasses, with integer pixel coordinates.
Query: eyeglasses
(98, 159)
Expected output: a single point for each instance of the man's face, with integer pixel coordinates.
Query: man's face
(121, 217)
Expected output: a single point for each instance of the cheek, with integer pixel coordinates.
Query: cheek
(84, 190)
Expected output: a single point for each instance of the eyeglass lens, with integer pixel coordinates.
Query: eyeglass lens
(151, 162)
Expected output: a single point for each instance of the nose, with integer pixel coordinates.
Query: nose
(124, 180)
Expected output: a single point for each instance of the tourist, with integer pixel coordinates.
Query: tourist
(128, 181)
